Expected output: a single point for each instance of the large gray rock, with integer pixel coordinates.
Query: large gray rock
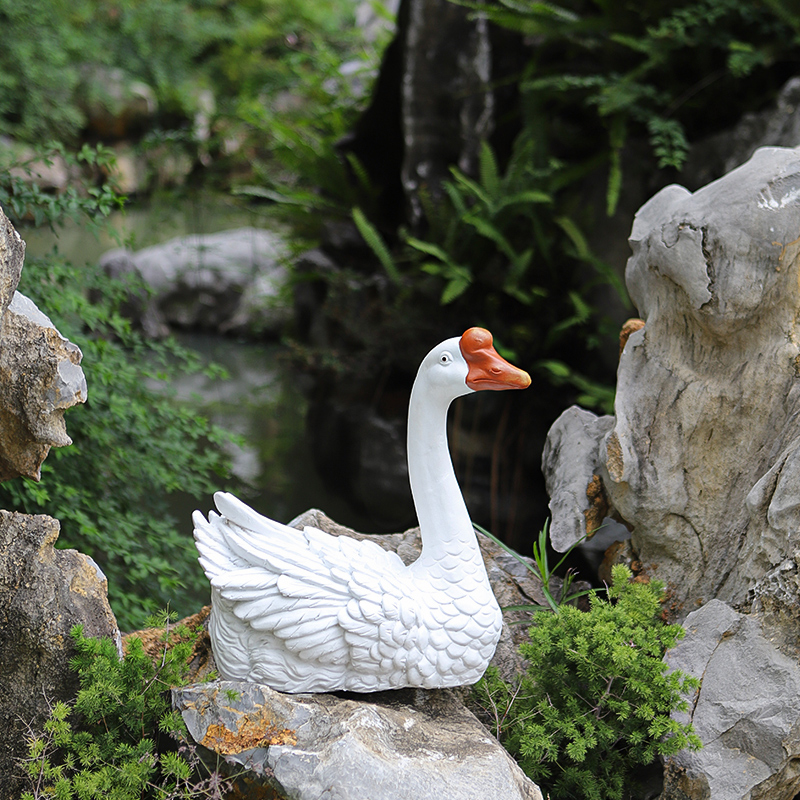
(746, 711)
(228, 282)
(389, 746)
(44, 592)
(40, 374)
(700, 460)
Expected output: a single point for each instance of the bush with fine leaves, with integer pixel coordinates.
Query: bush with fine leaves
(120, 739)
(596, 700)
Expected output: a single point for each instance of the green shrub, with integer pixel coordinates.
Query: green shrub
(120, 739)
(596, 699)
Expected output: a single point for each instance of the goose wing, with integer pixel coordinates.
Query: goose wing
(330, 599)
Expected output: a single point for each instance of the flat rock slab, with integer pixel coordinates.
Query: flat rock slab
(388, 746)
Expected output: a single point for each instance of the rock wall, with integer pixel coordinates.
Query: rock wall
(700, 464)
(445, 84)
(43, 592)
(700, 459)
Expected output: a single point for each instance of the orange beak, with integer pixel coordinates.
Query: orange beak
(487, 368)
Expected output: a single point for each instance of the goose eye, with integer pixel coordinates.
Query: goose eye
(445, 358)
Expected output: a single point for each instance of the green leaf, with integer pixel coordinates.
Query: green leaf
(576, 237)
(527, 197)
(429, 248)
(489, 175)
(375, 241)
(454, 288)
(475, 189)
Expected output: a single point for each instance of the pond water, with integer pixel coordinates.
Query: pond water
(161, 218)
(261, 400)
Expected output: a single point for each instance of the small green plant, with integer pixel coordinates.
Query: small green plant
(596, 700)
(542, 569)
(120, 739)
(21, 197)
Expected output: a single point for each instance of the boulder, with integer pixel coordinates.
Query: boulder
(40, 374)
(44, 592)
(699, 464)
(226, 282)
(387, 746)
(445, 84)
(778, 125)
(746, 710)
(115, 105)
(700, 459)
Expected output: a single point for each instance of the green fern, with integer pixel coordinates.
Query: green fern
(375, 241)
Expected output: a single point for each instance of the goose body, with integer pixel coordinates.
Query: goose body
(304, 611)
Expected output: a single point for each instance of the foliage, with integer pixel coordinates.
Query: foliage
(21, 197)
(596, 700)
(501, 243)
(668, 72)
(120, 739)
(38, 73)
(133, 444)
(240, 51)
(299, 165)
(544, 572)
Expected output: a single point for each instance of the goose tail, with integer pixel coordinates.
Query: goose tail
(215, 555)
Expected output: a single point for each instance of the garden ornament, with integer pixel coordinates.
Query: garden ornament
(305, 611)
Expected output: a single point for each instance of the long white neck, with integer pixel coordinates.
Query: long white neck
(444, 522)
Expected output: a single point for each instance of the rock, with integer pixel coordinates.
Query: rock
(43, 593)
(40, 374)
(51, 174)
(746, 711)
(373, 23)
(570, 454)
(227, 282)
(388, 746)
(115, 104)
(700, 458)
(776, 126)
(443, 87)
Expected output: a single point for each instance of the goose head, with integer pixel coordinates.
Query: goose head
(468, 363)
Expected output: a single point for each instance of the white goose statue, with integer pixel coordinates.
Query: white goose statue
(305, 611)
